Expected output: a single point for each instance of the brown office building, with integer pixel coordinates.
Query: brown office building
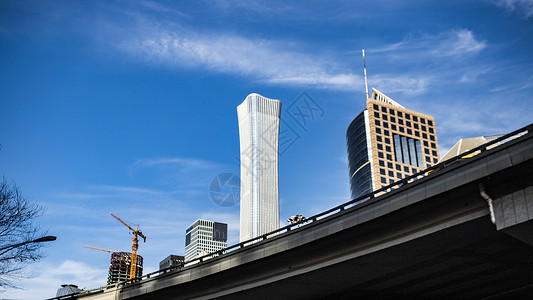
(387, 142)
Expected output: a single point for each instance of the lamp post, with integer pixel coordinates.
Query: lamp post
(39, 240)
(297, 219)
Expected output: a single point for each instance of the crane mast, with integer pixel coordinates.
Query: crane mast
(134, 247)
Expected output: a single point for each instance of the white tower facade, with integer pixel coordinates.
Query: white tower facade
(259, 119)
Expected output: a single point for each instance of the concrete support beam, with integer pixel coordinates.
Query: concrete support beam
(514, 214)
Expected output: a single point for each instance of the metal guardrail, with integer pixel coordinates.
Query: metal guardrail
(330, 212)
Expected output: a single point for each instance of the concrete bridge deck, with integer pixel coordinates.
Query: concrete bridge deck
(430, 238)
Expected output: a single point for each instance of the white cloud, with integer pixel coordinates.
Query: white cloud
(248, 6)
(522, 7)
(443, 45)
(127, 190)
(158, 7)
(459, 42)
(471, 75)
(49, 277)
(346, 81)
(178, 174)
(283, 62)
(391, 47)
(401, 84)
(434, 54)
(261, 59)
(455, 120)
(514, 86)
(189, 162)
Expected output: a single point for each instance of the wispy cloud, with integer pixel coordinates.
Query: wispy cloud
(434, 52)
(188, 162)
(280, 62)
(166, 183)
(127, 190)
(177, 45)
(390, 48)
(459, 42)
(471, 75)
(318, 11)
(158, 7)
(158, 178)
(248, 6)
(515, 86)
(522, 7)
(177, 174)
(452, 43)
(401, 84)
(271, 61)
(346, 81)
(455, 120)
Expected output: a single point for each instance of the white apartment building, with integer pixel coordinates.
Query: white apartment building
(203, 237)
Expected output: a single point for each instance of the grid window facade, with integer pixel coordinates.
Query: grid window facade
(259, 120)
(410, 145)
(200, 238)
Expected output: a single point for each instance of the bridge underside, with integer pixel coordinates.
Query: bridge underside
(430, 239)
(470, 261)
(445, 247)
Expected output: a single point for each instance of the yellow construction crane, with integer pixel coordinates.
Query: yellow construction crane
(134, 247)
(101, 249)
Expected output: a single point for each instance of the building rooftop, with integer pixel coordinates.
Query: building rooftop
(377, 95)
(464, 145)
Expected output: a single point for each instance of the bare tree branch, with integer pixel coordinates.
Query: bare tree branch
(17, 215)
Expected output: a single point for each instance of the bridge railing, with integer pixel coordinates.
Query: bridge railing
(332, 211)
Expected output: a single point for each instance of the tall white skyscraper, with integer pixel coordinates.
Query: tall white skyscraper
(259, 119)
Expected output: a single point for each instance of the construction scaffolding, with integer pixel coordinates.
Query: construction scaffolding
(120, 266)
(134, 247)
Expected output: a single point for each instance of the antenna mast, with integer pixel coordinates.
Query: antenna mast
(364, 68)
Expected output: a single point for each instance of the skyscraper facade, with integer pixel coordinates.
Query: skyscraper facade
(387, 142)
(259, 119)
(203, 237)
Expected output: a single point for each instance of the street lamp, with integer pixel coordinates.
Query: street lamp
(47, 238)
(39, 240)
(297, 219)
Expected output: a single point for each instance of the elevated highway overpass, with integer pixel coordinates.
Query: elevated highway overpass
(460, 230)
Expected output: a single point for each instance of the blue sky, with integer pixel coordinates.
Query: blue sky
(130, 106)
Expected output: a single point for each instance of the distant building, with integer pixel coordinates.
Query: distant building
(172, 261)
(464, 145)
(387, 142)
(204, 237)
(119, 267)
(259, 120)
(67, 289)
